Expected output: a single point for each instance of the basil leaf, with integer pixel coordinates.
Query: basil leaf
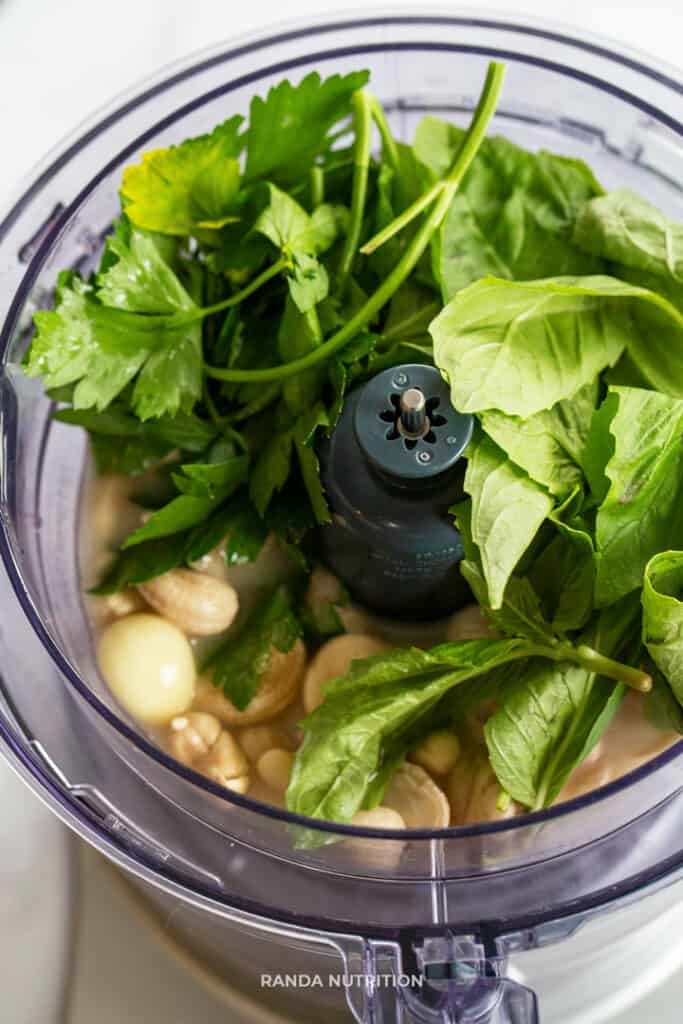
(507, 510)
(662, 600)
(599, 447)
(549, 445)
(520, 612)
(513, 215)
(522, 347)
(345, 738)
(563, 575)
(625, 228)
(240, 662)
(553, 716)
(642, 513)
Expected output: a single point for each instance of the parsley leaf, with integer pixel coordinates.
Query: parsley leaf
(238, 664)
(203, 487)
(179, 189)
(102, 348)
(289, 127)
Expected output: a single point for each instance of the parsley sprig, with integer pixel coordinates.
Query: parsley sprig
(240, 288)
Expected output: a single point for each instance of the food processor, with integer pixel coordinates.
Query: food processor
(566, 915)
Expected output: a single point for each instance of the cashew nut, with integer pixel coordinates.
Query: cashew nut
(630, 740)
(257, 739)
(277, 688)
(198, 604)
(275, 768)
(324, 597)
(474, 792)
(225, 764)
(199, 741)
(384, 854)
(149, 667)
(334, 659)
(379, 817)
(469, 623)
(438, 752)
(417, 798)
(192, 735)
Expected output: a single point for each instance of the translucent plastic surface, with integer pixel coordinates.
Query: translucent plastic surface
(561, 94)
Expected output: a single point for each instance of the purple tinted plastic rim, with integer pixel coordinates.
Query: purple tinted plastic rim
(6, 551)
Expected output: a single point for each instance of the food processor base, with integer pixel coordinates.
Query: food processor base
(594, 976)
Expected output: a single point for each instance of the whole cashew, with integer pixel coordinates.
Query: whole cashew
(382, 854)
(257, 739)
(275, 768)
(474, 791)
(469, 623)
(277, 688)
(438, 752)
(334, 659)
(198, 604)
(324, 597)
(199, 741)
(225, 764)
(417, 798)
(192, 735)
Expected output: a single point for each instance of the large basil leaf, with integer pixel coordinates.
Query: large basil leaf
(506, 513)
(523, 346)
(642, 513)
(549, 445)
(345, 738)
(625, 228)
(552, 717)
(520, 612)
(663, 616)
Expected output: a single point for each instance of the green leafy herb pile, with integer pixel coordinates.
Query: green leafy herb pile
(258, 272)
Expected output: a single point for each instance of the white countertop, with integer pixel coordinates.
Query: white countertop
(59, 61)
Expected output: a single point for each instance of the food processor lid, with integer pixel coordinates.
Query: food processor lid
(481, 885)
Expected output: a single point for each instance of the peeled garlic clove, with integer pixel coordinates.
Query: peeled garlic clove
(149, 667)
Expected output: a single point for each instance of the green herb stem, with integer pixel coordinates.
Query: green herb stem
(389, 148)
(180, 320)
(362, 120)
(409, 259)
(313, 321)
(636, 678)
(403, 219)
(317, 183)
(468, 149)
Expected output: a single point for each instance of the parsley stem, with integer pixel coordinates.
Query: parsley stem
(317, 183)
(234, 300)
(389, 148)
(409, 259)
(468, 149)
(403, 219)
(362, 120)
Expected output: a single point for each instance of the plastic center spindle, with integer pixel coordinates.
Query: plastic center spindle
(413, 420)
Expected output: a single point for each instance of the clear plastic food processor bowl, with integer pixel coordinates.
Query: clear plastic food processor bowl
(457, 906)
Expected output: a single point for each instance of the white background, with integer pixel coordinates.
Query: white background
(59, 61)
